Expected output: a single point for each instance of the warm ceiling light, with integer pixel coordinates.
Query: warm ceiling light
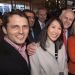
(46, 0)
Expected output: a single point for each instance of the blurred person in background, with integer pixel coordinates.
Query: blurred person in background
(39, 24)
(31, 16)
(40, 21)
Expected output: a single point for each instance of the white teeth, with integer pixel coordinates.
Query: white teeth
(20, 37)
(54, 35)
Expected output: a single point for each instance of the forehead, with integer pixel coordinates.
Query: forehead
(55, 23)
(16, 19)
(42, 11)
(29, 14)
(69, 14)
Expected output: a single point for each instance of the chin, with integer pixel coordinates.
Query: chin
(54, 39)
(20, 43)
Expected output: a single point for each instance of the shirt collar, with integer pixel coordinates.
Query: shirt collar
(19, 48)
(41, 24)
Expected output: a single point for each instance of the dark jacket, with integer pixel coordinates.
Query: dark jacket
(11, 62)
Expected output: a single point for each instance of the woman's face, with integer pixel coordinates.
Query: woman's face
(54, 30)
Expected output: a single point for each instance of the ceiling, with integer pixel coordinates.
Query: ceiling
(34, 3)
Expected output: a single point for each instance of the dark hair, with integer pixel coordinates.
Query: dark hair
(30, 11)
(43, 8)
(44, 35)
(6, 16)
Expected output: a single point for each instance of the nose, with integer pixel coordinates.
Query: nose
(32, 19)
(21, 30)
(67, 20)
(56, 31)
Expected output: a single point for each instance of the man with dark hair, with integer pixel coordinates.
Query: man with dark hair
(31, 16)
(14, 59)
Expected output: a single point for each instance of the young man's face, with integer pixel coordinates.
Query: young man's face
(17, 29)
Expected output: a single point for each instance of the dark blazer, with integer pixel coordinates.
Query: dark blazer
(31, 38)
(1, 33)
(37, 27)
(11, 62)
(70, 33)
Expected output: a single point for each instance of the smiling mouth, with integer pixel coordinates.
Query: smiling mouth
(20, 37)
(54, 36)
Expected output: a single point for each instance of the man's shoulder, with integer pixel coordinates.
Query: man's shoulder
(2, 41)
(4, 45)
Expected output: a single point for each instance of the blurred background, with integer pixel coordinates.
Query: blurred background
(51, 5)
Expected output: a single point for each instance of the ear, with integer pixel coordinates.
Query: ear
(4, 30)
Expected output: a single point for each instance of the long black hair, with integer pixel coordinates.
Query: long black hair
(44, 35)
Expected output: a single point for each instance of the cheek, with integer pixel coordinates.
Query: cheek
(59, 32)
(70, 22)
(49, 32)
(29, 20)
(11, 32)
(64, 20)
(26, 31)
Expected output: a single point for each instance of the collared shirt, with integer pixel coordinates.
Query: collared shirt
(20, 49)
(32, 33)
(65, 37)
(66, 34)
(42, 25)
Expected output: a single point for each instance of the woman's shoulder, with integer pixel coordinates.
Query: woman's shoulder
(39, 49)
(38, 46)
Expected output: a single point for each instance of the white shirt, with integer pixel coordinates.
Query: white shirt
(42, 25)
